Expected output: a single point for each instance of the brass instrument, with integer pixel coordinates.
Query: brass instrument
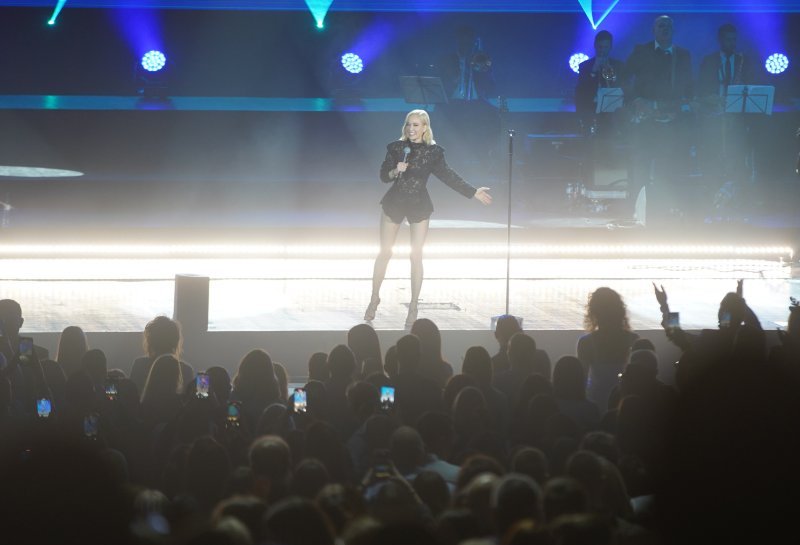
(608, 74)
(480, 61)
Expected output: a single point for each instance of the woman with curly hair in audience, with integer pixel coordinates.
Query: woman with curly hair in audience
(605, 349)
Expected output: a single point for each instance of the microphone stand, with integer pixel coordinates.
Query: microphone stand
(508, 232)
(508, 218)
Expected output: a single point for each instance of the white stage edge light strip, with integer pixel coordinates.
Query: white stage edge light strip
(360, 268)
(432, 250)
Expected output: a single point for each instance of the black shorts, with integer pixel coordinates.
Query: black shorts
(397, 212)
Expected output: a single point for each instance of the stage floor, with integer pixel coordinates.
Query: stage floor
(303, 294)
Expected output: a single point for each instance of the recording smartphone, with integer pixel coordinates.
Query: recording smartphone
(25, 350)
(233, 414)
(387, 397)
(91, 425)
(43, 407)
(300, 400)
(725, 319)
(202, 383)
(112, 390)
(673, 321)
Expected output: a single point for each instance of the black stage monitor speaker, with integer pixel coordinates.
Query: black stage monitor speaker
(191, 302)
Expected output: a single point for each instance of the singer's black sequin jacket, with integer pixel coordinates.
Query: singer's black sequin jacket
(408, 196)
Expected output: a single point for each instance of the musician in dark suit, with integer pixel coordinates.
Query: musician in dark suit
(660, 72)
(724, 67)
(600, 71)
(467, 72)
(659, 88)
(723, 158)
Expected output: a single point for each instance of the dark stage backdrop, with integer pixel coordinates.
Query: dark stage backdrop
(283, 54)
(153, 166)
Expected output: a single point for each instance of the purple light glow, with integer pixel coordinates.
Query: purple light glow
(140, 28)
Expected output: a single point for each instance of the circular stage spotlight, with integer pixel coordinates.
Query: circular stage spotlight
(576, 59)
(776, 63)
(352, 63)
(153, 61)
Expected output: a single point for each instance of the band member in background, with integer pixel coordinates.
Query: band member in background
(723, 147)
(467, 72)
(468, 121)
(659, 73)
(658, 91)
(600, 71)
(724, 67)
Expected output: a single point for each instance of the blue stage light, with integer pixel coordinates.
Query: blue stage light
(576, 59)
(56, 11)
(776, 63)
(352, 63)
(319, 9)
(153, 61)
(588, 9)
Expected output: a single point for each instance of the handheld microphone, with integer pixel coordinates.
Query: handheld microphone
(406, 152)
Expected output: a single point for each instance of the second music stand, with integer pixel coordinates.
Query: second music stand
(425, 90)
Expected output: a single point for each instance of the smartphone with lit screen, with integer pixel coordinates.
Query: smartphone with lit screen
(234, 414)
(673, 321)
(387, 398)
(300, 400)
(25, 350)
(43, 407)
(91, 425)
(202, 384)
(112, 390)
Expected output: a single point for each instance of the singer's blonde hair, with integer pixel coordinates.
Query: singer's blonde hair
(426, 120)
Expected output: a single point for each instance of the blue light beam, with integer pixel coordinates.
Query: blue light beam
(319, 9)
(586, 5)
(56, 11)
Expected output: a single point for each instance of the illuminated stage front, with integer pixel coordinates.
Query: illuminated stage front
(294, 305)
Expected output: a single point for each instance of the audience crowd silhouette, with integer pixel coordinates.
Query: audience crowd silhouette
(399, 447)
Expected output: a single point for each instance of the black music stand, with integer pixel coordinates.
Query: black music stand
(740, 100)
(749, 99)
(609, 99)
(425, 90)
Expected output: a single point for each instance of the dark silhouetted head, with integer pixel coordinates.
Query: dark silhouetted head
(297, 521)
(569, 379)
(409, 352)
(364, 343)
(342, 363)
(607, 311)
(515, 497)
(318, 367)
(507, 326)
(478, 365)
(162, 336)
